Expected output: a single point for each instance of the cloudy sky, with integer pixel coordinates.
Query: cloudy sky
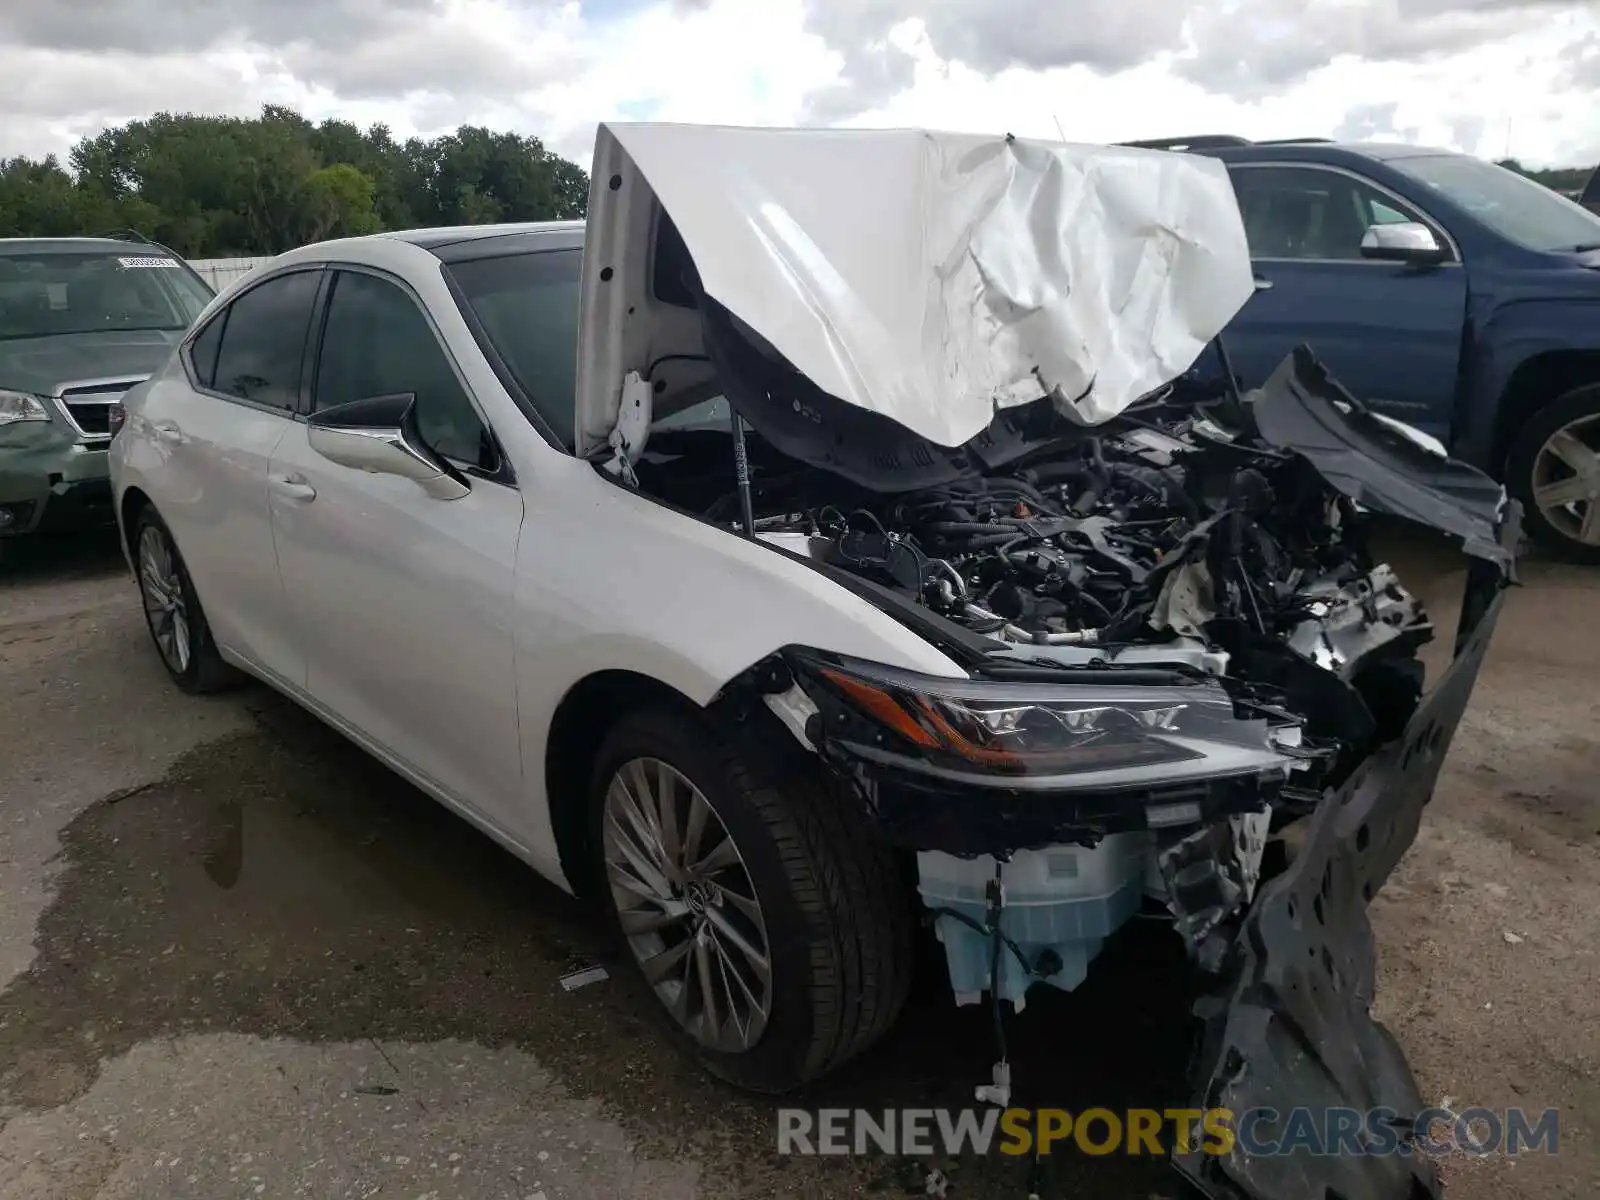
(1479, 75)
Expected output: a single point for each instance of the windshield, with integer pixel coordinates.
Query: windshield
(1514, 206)
(527, 305)
(57, 293)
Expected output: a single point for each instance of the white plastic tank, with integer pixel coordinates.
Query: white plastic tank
(1062, 899)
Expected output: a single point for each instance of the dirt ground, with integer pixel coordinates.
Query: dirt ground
(238, 958)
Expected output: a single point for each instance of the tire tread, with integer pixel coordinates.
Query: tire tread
(844, 880)
(854, 904)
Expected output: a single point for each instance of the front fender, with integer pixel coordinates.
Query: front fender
(609, 580)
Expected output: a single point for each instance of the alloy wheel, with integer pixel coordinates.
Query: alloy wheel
(1566, 480)
(686, 905)
(164, 606)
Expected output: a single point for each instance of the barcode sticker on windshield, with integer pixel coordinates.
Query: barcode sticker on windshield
(144, 260)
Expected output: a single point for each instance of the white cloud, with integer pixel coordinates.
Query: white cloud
(1459, 73)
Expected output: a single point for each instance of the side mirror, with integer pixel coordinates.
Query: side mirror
(1402, 241)
(380, 435)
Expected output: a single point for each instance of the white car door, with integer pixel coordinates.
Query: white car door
(400, 601)
(212, 432)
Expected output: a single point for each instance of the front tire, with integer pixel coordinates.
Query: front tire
(172, 611)
(1553, 468)
(772, 931)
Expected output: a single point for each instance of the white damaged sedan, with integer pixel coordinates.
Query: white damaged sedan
(827, 536)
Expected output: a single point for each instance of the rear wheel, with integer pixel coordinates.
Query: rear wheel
(172, 611)
(1553, 468)
(772, 931)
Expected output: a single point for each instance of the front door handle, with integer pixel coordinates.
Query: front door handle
(294, 487)
(1263, 283)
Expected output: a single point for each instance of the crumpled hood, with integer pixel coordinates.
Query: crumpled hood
(42, 364)
(927, 277)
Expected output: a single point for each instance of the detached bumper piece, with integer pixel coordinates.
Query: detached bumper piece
(1289, 1024)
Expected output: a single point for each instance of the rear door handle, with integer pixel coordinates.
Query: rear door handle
(1262, 283)
(294, 487)
(166, 431)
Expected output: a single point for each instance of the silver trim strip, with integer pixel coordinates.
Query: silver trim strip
(95, 385)
(83, 434)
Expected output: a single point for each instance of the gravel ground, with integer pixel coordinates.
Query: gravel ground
(238, 958)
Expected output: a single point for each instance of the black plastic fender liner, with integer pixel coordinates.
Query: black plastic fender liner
(1298, 409)
(1289, 1024)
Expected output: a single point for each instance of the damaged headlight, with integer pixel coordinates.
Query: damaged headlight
(1102, 734)
(19, 406)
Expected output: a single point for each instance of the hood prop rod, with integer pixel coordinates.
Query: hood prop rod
(741, 473)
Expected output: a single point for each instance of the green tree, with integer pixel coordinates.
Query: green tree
(341, 203)
(42, 196)
(1562, 179)
(220, 186)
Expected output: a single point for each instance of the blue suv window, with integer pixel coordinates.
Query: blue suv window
(1515, 207)
(1306, 213)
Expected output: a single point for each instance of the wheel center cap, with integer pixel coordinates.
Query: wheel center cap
(696, 897)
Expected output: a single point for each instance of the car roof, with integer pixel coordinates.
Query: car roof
(1228, 146)
(1321, 151)
(69, 245)
(454, 243)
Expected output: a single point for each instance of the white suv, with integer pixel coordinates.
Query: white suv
(803, 556)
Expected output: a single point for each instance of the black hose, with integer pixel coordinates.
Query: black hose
(1084, 597)
(991, 541)
(1005, 525)
(977, 928)
(871, 516)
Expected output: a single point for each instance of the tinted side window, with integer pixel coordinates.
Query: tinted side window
(528, 306)
(264, 341)
(1302, 212)
(203, 350)
(377, 342)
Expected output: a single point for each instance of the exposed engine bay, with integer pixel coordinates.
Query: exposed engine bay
(1136, 538)
(1162, 537)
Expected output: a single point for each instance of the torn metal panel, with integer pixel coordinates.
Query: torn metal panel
(928, 278)
(1185, 603)
(1289, 1024)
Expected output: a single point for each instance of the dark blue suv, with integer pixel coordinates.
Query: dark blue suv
(1445, 292)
